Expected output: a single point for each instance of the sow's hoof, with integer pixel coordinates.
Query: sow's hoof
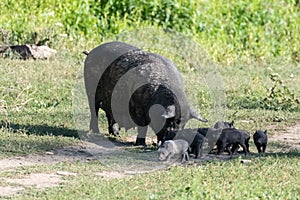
(113, 130)
(140, 142)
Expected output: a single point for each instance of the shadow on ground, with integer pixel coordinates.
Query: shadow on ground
(40, 129)
(105, 143)
(290, 154)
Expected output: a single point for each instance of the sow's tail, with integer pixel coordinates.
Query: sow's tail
(195, 115)
(86, 53)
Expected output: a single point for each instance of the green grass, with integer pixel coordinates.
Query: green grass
(247, 42)
(19, 143)
(228, 30)
(36, 100)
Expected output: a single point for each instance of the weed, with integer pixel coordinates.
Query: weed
(279, 96)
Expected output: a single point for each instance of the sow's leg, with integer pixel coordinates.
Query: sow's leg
(95, 64)
(112, 128)
(141, 137)
(94, 114)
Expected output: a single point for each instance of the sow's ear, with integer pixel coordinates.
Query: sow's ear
(266, 132)
(169, 112)
(197, 116)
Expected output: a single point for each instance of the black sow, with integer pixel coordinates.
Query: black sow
(135, 89)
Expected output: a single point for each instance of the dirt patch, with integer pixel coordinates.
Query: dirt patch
(39, 180)
(290, 136)
(9, 190)
(85, 151)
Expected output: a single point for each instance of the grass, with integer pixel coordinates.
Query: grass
(36, 101)
(268, 177)
(245, 29)
(20, 143)
(246, 42)
(217, 181)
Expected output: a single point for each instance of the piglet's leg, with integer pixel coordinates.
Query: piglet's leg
(244, 149)
(170, 156)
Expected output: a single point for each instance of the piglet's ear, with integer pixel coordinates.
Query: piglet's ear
(266, 132)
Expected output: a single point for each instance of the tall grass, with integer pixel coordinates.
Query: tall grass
(227, 29)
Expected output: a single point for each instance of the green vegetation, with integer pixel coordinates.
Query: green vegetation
(227, 30)
(36, 99)
(255, 45)
(12, 144)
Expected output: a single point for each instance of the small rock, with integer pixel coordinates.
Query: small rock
(245, 161)
(49, 153)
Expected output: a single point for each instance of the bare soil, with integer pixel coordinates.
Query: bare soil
(89, 151)
(289, 136)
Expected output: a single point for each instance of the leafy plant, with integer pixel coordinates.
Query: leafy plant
(279, 96)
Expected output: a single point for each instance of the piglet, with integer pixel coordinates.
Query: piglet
(223, 124)
(260, 140)
(192, 136)
(171, 148)
(231, 136)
